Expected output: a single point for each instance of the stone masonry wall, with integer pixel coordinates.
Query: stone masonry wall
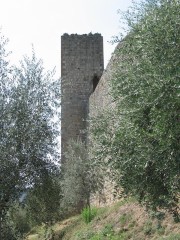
(99, 101)
(82, 65)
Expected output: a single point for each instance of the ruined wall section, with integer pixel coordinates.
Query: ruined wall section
(81, 62)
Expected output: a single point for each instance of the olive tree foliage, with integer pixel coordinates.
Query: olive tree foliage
(34, 111)
(29, 100)
(101, 148)
(16, 222)
(144, 142)
(8, 164)
(43, 201)
(37, 205)
(79, 178)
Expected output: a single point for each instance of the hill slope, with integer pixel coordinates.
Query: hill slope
(121, 221)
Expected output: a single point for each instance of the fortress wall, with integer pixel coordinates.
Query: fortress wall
(100, 101)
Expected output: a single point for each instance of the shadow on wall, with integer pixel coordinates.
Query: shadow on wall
(95, 82)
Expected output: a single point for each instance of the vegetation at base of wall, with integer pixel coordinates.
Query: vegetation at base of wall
(139, 140)
(79, 178)
(121, 221)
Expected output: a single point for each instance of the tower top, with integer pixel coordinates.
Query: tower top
(82, 35)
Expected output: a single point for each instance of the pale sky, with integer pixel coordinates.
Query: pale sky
(42, 22)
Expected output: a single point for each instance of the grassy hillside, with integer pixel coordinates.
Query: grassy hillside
(123, 220)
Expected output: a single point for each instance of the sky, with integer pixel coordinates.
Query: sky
(42, 22)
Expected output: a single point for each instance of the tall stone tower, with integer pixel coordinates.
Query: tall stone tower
(82, 65)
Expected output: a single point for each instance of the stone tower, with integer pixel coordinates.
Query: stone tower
(82, 65)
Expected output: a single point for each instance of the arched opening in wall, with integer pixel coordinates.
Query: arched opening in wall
(95, 82)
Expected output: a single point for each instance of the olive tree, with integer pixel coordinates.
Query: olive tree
(29, 103)
(80, 178)
(144, 144)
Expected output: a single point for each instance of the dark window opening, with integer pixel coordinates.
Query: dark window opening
(95, 82)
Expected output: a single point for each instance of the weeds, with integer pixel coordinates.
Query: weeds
(125, 218)
(88, 214)
(108, 230)
(148, 228)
